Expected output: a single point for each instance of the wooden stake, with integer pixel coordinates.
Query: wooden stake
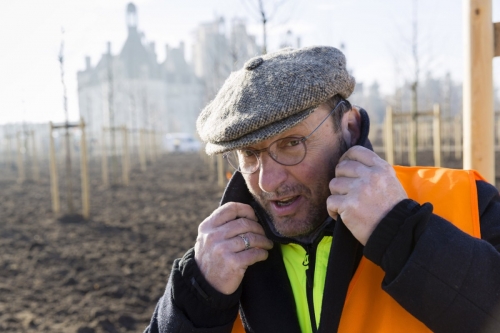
(201, 153)
(69, 176)
(437, 135)
(36, 169)
(212, 166)
(458, 136)
(413, 140)
(84, 172)
(398, 142)
(104, 159)
(446, 137)
(142, 150)
(478, 147)
(389, 138)
(420, 134)
(152, 150)
(220, 170)
(147, 147)
(54, 186)
(208, 159)
(428, 132)
(497, 132)
(20, 163)
(125, 157)
(8, 160)
(496, 33)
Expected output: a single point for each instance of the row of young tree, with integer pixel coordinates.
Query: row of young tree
(431, 90)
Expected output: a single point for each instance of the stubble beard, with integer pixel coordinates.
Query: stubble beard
(292, 226)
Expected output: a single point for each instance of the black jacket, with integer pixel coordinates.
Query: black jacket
(447, 279)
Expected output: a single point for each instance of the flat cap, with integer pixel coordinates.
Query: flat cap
(271, 94)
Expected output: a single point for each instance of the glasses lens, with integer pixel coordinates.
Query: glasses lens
(288, 151)
(232, 159)
(244, 161)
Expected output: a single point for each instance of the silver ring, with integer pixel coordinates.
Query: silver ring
(245, 239)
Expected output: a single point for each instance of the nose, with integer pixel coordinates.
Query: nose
(271, 174)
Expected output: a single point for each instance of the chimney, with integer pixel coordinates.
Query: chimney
(87, 63)
(152, 46)
(109, 48)
(167, 50)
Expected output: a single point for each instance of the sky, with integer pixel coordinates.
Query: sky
(376, 36)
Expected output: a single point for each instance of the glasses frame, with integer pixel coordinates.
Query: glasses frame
(302, 140)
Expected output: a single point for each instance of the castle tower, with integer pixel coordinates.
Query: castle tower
(131, 18)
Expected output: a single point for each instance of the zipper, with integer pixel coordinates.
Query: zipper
(310, 262)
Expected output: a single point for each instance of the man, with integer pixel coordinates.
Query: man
(315, 232)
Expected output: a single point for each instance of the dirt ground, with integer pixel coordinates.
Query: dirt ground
(63, 274)
(105, 274)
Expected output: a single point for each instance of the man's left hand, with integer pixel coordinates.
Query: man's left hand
(364, 190)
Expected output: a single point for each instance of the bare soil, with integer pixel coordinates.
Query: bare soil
(65, 274)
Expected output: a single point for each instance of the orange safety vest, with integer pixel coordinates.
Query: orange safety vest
(367, 307)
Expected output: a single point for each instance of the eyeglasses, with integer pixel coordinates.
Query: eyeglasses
(286, 151)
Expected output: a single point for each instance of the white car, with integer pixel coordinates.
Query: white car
(181, 142)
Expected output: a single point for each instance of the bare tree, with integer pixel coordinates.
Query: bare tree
(266, 11)
(414, 89)
(114, 162)
(133, 122)
(69, 185)
(418, 59)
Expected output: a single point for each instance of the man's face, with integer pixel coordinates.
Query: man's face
(295, 196)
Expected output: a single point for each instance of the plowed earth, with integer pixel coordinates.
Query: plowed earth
(64, 274)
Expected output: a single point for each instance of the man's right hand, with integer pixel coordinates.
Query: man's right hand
(220, 251)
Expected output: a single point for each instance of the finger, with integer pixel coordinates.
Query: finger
(362, 155)
(251, 256)
(231, 211)
(237, 244)
(341, 185)
(351, 169)
(211, 234)
(241, 226)
(334, 205)
(334, 216)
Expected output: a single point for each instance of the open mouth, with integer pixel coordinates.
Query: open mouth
(285, 202)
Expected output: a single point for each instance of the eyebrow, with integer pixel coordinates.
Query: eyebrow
(299, 125)
(284, 137)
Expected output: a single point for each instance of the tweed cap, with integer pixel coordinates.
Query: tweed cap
(271, 94)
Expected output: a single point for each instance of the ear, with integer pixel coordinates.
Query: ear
(351, 126)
